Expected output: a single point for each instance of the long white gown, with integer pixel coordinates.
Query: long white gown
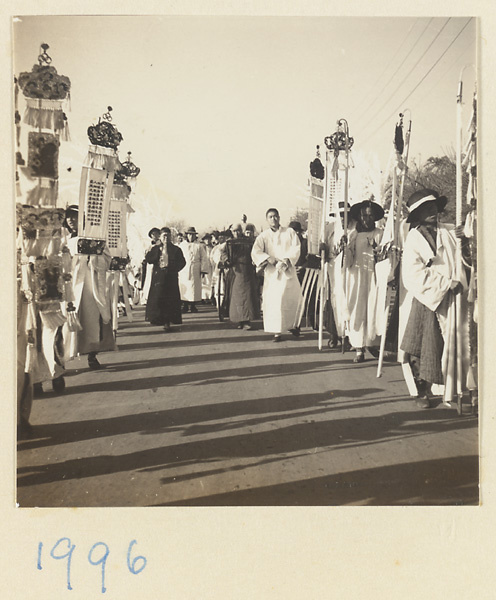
(190, 280)
(281, 289)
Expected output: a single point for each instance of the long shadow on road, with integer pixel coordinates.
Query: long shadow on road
(281, 441)
(208, 377)
(445, 481)
(202, 418)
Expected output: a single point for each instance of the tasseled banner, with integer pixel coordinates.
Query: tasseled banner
(73, 323)
(44, 194)
(99, 157)
(52, 319)
(47, 114)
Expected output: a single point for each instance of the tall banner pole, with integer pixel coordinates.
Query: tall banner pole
(458, 223)
(344, 124)
(323, 274)
(401, 165)
(340, 141)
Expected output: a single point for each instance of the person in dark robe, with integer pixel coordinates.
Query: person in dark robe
(241, 280)
(164, 300)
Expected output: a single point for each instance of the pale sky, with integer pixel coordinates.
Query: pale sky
(222, 114)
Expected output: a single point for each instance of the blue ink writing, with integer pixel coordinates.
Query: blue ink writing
(97, 555)
(101, 561)
(131, 566)
(67, 555)
(40, 548)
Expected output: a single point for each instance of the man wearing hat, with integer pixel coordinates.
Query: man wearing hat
(276, 250)
(190, 278)
(242, 289)
(361, 284)
(430, 278)
(164, 302)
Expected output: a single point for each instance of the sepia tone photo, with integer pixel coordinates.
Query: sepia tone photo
(246, 261)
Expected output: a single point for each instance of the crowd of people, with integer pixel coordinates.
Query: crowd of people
(250, 276)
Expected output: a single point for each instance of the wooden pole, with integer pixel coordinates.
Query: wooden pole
(458, 223)
(345, 224)
(322, 254)
(396, 204)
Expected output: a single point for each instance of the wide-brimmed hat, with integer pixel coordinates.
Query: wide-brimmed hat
(377, 210)
(72, 208)
(191, 230)
(421, 197)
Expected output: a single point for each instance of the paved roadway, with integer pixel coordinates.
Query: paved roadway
(211, 415)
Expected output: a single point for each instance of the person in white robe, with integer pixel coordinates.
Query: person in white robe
(277, 250)
(146, 272)
(432, 280)
(334, 247)
(91, 301)
(207, 278)
(197, 265)
(361, 286)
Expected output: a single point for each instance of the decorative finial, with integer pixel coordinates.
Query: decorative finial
(43, 58)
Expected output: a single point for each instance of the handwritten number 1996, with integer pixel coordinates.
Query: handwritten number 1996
(97, 556)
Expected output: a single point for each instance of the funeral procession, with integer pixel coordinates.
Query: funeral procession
(246, 259)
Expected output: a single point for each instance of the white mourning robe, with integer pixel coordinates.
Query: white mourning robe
(428, 278)
(190, 280)
(362, 288)
(281, 289)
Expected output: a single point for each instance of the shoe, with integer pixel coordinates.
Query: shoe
(24, 430)
(184, 309)
(193, 309)
(332, 343)
(295, 332)
(277, 338)
(240, 326)
(422, 402)
(248, 327)
(359, 358)
(93, 363)
(58, 384)
(37, 390)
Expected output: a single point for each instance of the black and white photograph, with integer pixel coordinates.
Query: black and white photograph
(246, 260)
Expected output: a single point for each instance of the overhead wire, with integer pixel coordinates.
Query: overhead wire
(412, 69)
(396, 71)
(363, 98)
(402, 103)
(441, 77)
